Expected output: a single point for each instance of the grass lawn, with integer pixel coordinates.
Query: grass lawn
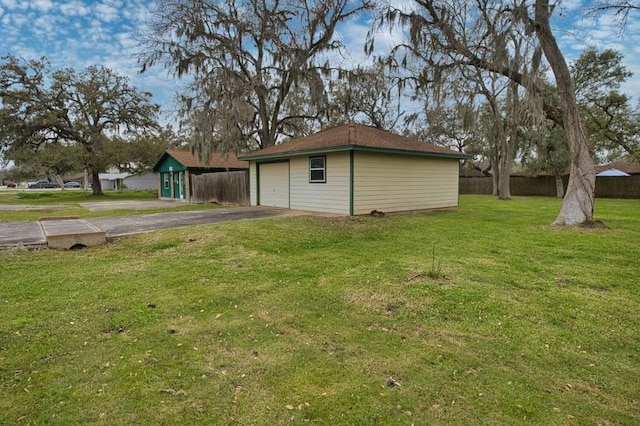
(67, 203)
(483, 316)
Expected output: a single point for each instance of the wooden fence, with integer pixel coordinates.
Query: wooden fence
(618, 186)
(222, 188)
(606, 186)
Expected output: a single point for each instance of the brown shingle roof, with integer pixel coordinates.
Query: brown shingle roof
(623, 166)
(217, 161)
(352, 136)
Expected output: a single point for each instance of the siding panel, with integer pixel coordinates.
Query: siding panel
(329, 197)
(389, 182)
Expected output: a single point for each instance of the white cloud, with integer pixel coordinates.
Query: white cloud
(9, 4)
(106, 12)
(18, 20)
(127, 41)
(43, 5)
(44, 25)
(74, 8)
(139, 12)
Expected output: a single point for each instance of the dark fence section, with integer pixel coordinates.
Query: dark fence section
(222, 188)
(606, 186)
(618, 186)
(476, 185)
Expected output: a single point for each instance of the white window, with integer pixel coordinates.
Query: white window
(166, 180)
(317, 169)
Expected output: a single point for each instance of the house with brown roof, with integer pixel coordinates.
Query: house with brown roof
(623, 166)
(354, 169)
(177, 168)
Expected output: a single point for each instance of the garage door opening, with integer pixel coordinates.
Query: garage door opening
(274, 184)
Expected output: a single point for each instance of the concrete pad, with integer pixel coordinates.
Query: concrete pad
(25, 233)
(65, 234)
(26, 207)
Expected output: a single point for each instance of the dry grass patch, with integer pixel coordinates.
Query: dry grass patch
(387, 303)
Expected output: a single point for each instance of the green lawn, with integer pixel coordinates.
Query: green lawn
(67, 203)
(333, 321)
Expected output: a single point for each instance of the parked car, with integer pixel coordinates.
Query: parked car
(11, 185)
(72, 185)
(42, 184)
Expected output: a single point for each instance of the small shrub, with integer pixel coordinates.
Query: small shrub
(436, 271)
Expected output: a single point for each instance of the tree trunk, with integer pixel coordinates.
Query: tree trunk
(97, 187)
(509, 143)
(500, 156)
(577, 206)
(504, 178)
(495, 176)
(59, 181)
(85, 176)
(507, 151)
(559, 187)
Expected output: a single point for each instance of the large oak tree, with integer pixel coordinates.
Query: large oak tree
(447, 35)
(88, 109)
(255, 69)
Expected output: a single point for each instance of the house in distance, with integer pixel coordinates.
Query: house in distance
(176, 170)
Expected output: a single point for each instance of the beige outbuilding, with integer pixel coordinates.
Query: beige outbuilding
(354, 169)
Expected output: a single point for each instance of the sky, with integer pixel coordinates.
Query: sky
(80, 33)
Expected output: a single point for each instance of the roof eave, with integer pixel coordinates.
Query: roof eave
(162, 159)
(257, 156)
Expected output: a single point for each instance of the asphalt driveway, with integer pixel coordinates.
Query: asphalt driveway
(136, 224)
(29, 233)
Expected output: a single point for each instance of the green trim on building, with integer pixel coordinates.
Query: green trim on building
(177, 174)
(278, 155)
(167, 162)
(289, 183)
(351, 180)
(257, 184)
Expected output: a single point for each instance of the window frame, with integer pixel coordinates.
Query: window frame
(323, 168)
(166, 181)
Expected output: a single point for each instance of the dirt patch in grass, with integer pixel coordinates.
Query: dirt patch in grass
(386, 303)
(594, 224)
